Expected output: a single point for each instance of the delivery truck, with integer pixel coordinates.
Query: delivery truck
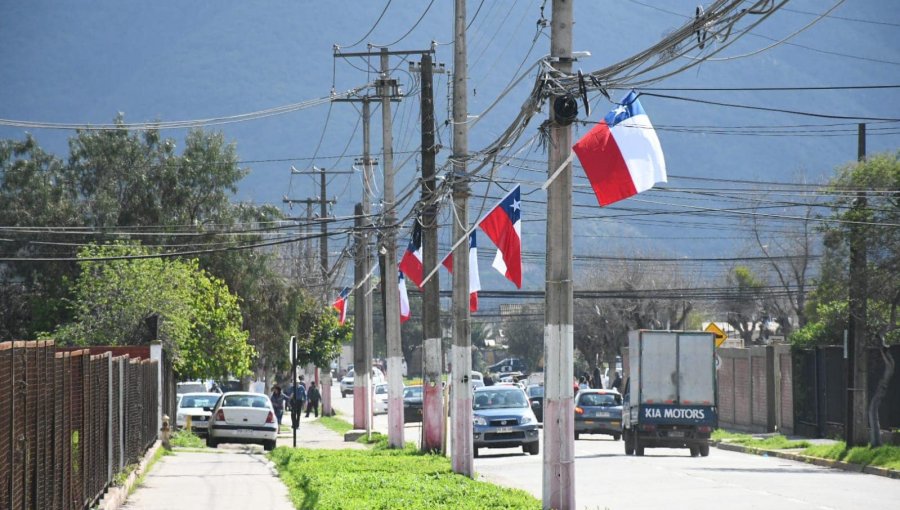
(670, 393)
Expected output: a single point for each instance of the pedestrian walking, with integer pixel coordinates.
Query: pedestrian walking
(298, 400)
(597, 379)
(617, 382)
(277, 403)
(313, 396)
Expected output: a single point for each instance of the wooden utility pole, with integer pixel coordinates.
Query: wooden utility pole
(559, 410)
(857, 355)
(461, 352)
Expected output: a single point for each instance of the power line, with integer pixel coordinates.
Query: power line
(363, 38)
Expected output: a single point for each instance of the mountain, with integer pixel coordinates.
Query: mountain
(170, 60)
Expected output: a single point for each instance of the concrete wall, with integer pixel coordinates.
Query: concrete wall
(755, 389)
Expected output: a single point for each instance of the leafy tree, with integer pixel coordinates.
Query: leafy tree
(744, 302)
(525, 339)
(201, 322)
(318, 331)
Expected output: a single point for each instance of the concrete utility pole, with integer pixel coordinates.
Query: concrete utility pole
(559, 410)
(432, 403)
(857, 360)
(387, 89)
(461, 353)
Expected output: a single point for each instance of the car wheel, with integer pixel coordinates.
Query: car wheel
(534, 448)
(616, 437)
(629, 443)
(475, 453)
(695, 451)
(268, 445)
(704, 450)
(211, 443)
(576, 436)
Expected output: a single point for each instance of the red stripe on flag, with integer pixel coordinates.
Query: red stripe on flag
(604, 165)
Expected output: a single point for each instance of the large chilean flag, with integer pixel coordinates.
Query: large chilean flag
(411, 262)
(621, 155)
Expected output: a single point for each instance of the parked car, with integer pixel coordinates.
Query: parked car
(380, 402)
(503, 419)
(242, 417)
(535, 394)
(347, 382)
(598, 412)
(195, 405)
(412, 404)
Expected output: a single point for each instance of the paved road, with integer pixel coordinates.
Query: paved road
(233, 478)
(669, 478)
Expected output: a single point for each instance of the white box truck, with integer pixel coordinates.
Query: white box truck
(670, 393)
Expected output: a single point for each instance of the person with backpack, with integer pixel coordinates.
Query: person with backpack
(313, 396)
(298, 400)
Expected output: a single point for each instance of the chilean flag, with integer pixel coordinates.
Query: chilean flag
(404, 300)
(411, 263)
(474, 279)
(621, 155)
(340, 304)
(503, 224)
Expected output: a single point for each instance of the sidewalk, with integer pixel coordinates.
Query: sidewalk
(312, 434)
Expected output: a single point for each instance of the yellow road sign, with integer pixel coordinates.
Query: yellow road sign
(720, 335)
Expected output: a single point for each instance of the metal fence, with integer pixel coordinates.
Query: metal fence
(69, 422)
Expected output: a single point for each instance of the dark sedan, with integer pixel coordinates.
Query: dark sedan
(536, 397)
(598, 412)
(412, 404)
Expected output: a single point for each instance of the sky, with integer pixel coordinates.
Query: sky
(72, 62)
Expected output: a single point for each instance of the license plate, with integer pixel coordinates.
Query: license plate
(589, 422)
(602, 414)
(503, 430)
(676, 433)
(615, 423)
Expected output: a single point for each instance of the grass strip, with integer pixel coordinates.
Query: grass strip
(336, 424)
(776, 442)
(382, 479)
(884, 456)
(186, 439)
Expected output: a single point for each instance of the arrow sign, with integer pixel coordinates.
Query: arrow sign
(716, 330)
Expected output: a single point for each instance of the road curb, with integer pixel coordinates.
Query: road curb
(835, 464)
(116, 496)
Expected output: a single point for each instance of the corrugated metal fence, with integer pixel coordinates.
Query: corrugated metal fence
(69, 422)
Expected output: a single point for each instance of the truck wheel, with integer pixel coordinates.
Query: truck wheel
(616, 437)
(704, 450)
(629, 443)
(695, 451)
(638, 447)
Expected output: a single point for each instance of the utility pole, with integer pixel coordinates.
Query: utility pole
(461, 353)
(857, 355)
(559, 410)
(432, 403)
(386, 90)
(361, 355)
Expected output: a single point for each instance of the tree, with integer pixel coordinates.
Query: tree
(201, 321)
(525, 338)
(744, 302)
(318, 331)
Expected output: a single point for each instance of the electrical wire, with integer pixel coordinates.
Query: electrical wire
(363, 38)
(408, 31)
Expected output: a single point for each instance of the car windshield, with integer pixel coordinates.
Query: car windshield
(412, 392)
(245, 401)
(599, 399)
(198, 401)
(499, 398)
(381, 389)
(349, 374)
(535, 391)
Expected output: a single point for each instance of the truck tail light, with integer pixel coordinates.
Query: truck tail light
(704, 429)
(579, 410)
(648, 427)
(220, 415)
(270, 418)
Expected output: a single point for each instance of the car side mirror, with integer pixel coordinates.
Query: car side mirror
(208, 409)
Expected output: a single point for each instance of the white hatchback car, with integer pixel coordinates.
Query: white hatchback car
(243, 417)
(195, 405)
(380, 402)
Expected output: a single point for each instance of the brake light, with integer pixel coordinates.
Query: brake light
(705, 429)
(270, 418)
(220, 415)
(579, 410)
(648, 427)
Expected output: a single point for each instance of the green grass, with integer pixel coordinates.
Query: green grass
(883, 456)
(382, 478)
(336, 424)
(187, 439)
(777, 442)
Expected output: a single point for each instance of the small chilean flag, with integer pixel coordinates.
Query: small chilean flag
(474, 278)
(503, 224)
(411, 263)
(621, 155)
(404, 300)
(340, 304)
